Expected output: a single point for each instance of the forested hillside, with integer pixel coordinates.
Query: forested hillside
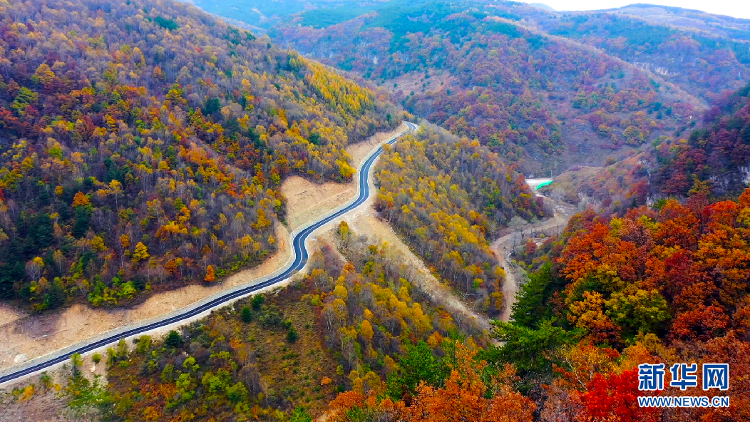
(476, 69)
(711, 161)
(705, 62)
(449, 197)
(660, 285)
(356, 323)
(715, 159)
(143, 144)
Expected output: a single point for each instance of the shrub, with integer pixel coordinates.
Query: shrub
(291, 335)
(246, 314)
(174, 340)
(257, 301)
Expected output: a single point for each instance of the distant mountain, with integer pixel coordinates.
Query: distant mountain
(703, 54)
(542, 6)
(485, 71)
(264, 14)
(673, 42)
(712, 160)
(725, 26)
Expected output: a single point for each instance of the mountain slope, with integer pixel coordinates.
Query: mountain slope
(714, 158)
(348, 325)
(711, 162)
(701, 55)
(476, 69)
(447, 197)
(262, 14)
(143, 144)
(725, 26)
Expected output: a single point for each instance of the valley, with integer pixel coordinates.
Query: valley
(355, 210)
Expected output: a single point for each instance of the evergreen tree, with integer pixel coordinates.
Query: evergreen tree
(174, 340)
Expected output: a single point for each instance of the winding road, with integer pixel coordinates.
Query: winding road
(505, 245)
(300, 259)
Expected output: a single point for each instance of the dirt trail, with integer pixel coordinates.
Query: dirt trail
(26, 336)
(364, 221)
(503, 246)
(371, 226)
(306, 200)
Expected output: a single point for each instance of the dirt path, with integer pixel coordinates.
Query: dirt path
(301, 193)
(373, 227)
(503, 246)
(364, 221)
(26, 336)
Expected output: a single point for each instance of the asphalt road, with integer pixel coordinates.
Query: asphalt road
(300, 259)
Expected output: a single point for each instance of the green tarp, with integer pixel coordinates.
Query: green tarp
(542, 185)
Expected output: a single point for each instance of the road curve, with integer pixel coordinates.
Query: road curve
(300, 259)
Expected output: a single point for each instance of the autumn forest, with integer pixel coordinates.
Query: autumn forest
(151, 150)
